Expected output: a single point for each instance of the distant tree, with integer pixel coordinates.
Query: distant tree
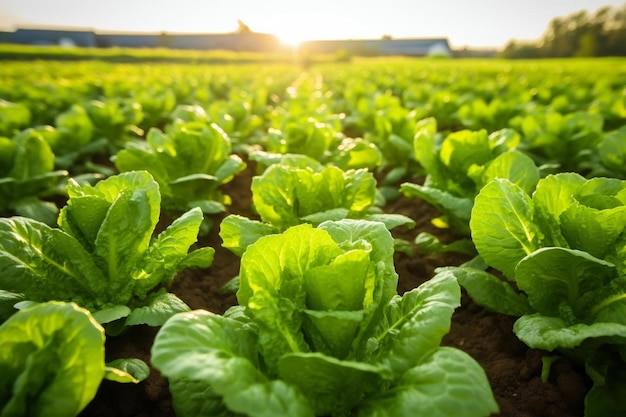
(587, 45)
(521, 50)
(615, 43)
(578, 34)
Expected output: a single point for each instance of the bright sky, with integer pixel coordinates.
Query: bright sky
(475, 23)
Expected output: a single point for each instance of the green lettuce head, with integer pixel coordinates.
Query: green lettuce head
(331, 289)
(321, 331)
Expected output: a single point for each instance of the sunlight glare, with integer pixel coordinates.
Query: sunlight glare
(291, 38)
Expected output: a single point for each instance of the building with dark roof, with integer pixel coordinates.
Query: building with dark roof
(236, 41)
(127, 40)
(85, 38)
(380, 47)
(239, 41)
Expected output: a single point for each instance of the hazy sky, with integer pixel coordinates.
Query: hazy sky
(464, 22)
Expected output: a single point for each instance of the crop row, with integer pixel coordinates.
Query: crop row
(525, 162)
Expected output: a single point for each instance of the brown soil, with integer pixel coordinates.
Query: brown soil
(512, 368)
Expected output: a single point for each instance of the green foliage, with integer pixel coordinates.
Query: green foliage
(322, 141)
(27, 177)
(75, 133)
(189, 161)
(138, 56)
(72, 142)
(320, 330)
(579, 34)
(115, 121)
(13, 117)
(237, 116)
(391, 127)
(460, 164)
(301, 190)
(611, 153)
(51, 361)
(565, 141)
(556, 239)
(564, 248)
(493, 115)
(305, 137)
(103, 257)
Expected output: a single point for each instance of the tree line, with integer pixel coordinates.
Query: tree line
(580, 34)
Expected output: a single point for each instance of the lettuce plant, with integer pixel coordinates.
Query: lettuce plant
(104, 256)
(234, 116)
(610, 158)
(460, 164)
(564, 248)
(52, 361)
(565, 141)
(13, 117)
(301, 190)
(321, 330)
(156, 101)
(294, 131)
(27, 177)
(73, 142)
(391, 127)
(348, 153)
(492, 115)
(190, 161)
(240, 115)
(394, 130)
(322, 141)
(115, 121)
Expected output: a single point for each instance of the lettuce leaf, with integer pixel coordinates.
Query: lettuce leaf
(502, 225)
(207, 354)
(51, 360)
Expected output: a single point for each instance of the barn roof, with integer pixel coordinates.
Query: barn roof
(384, 46)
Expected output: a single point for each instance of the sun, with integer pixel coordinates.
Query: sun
(291, 38)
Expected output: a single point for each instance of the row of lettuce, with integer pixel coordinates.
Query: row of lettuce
(525, 163)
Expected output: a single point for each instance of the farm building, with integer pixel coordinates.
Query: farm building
(235, 41)
(251, 41)
(127, 40)
(238, 41)
(85, 38)
(377, 47)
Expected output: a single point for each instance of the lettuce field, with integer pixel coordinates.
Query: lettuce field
(375, 238)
